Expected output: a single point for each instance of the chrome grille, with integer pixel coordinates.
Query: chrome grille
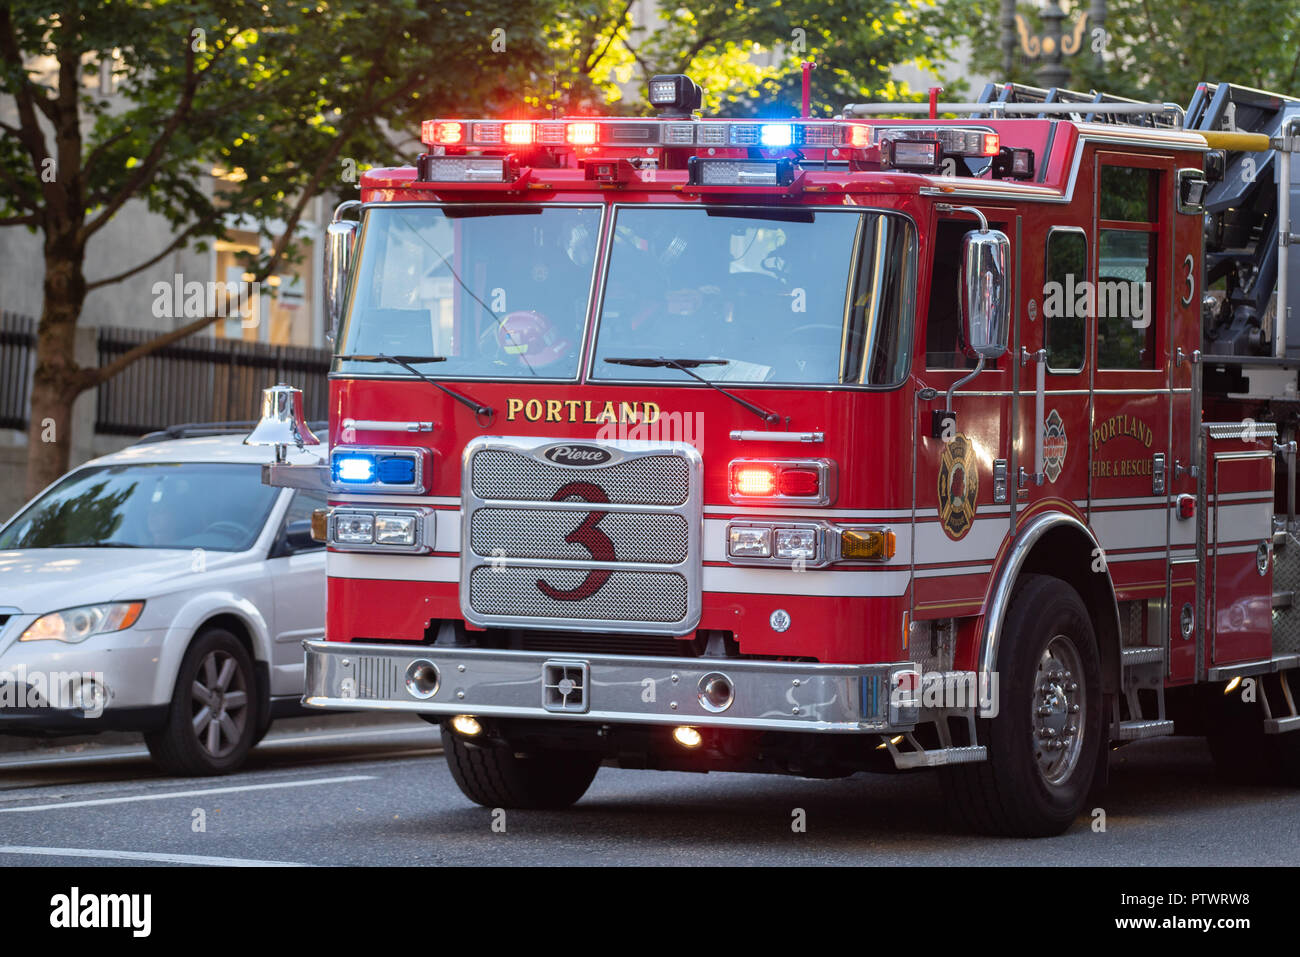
(538, 533)
(625, 596)
(650, 480)
(620, 552)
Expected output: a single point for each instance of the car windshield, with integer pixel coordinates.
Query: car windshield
(221, 507)
(498, 292)
(789, 296)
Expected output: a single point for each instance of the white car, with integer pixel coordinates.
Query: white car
(161, 589)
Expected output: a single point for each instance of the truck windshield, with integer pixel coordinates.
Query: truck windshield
(498, 292)
(780, 296)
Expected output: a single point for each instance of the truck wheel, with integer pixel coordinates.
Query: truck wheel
(1045, 742)
(214, 712)
(495, 776)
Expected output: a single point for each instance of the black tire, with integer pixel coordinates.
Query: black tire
(495, 776)
(184, 745)
(1025, 788)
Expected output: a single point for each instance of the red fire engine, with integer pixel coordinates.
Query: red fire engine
(820, 446)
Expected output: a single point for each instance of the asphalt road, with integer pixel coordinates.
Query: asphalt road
(376, 791)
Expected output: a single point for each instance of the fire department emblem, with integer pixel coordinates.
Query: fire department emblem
(1055, 446)
(958, 487)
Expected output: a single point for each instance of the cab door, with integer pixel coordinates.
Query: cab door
(1130, 445)
(962, 511)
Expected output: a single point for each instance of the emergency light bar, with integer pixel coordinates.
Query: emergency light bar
(810, 134)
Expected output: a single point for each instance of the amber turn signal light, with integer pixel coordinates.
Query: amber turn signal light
(867, 543)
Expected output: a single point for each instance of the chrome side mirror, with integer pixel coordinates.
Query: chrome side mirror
(984, 293)
(340, 237)
(984, 299)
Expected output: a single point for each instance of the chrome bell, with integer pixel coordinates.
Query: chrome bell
(282, 421)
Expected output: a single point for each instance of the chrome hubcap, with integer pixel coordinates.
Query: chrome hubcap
(220, 701)
(1058, 710)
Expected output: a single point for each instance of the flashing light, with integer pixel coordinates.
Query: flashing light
(373, 469)
(517, 134)
(776, 134)
(443, 132)
(581, 134)
(753, 480)
(991, 144)
(354, 468)
(858, 136)
(666, 131)
(807, 481)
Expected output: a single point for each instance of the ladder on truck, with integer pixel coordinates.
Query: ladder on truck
(1249, 224)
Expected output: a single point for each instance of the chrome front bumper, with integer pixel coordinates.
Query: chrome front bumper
(768, 695)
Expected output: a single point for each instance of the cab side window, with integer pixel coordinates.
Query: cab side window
(1126, 291)
(1065, 307)
(943, 319)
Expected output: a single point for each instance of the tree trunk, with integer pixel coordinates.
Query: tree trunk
(58, 380)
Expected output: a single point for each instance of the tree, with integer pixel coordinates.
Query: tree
(1157, 51)
(293, 100)
(282, 95)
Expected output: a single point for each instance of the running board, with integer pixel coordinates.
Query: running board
(906, 760)
(1137, 730)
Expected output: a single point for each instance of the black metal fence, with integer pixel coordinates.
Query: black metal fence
(17, 360)
(201, 379)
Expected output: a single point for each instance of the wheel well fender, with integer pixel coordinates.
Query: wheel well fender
(1061, 546)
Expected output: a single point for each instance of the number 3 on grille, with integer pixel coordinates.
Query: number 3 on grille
(590, 537)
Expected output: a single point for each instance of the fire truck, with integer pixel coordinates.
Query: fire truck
(934, 435)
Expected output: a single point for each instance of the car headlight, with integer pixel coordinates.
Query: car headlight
(78, 624)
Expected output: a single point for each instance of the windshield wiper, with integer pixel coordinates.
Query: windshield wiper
(97, 545)
(405, 363)
(686, 365)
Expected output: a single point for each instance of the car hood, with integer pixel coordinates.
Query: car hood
(39, 580)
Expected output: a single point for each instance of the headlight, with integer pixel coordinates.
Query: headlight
(78, 624)
(352, 529)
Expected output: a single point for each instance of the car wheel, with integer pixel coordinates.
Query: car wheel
(1045, 744)
(493, 775)
(214, 712)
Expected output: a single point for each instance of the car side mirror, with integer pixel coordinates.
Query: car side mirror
(297, 538)
(340, 237)
(984, 293)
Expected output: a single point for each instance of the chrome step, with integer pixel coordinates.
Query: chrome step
(1142, 655)
(1137, 730)
(940, 756)
(1282, 725)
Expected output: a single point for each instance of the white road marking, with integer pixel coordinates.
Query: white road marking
(199, 792)
(159, 857)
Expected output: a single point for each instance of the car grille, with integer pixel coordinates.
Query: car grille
(549, 546)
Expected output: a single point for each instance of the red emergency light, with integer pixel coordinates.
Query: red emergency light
(782, 481)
